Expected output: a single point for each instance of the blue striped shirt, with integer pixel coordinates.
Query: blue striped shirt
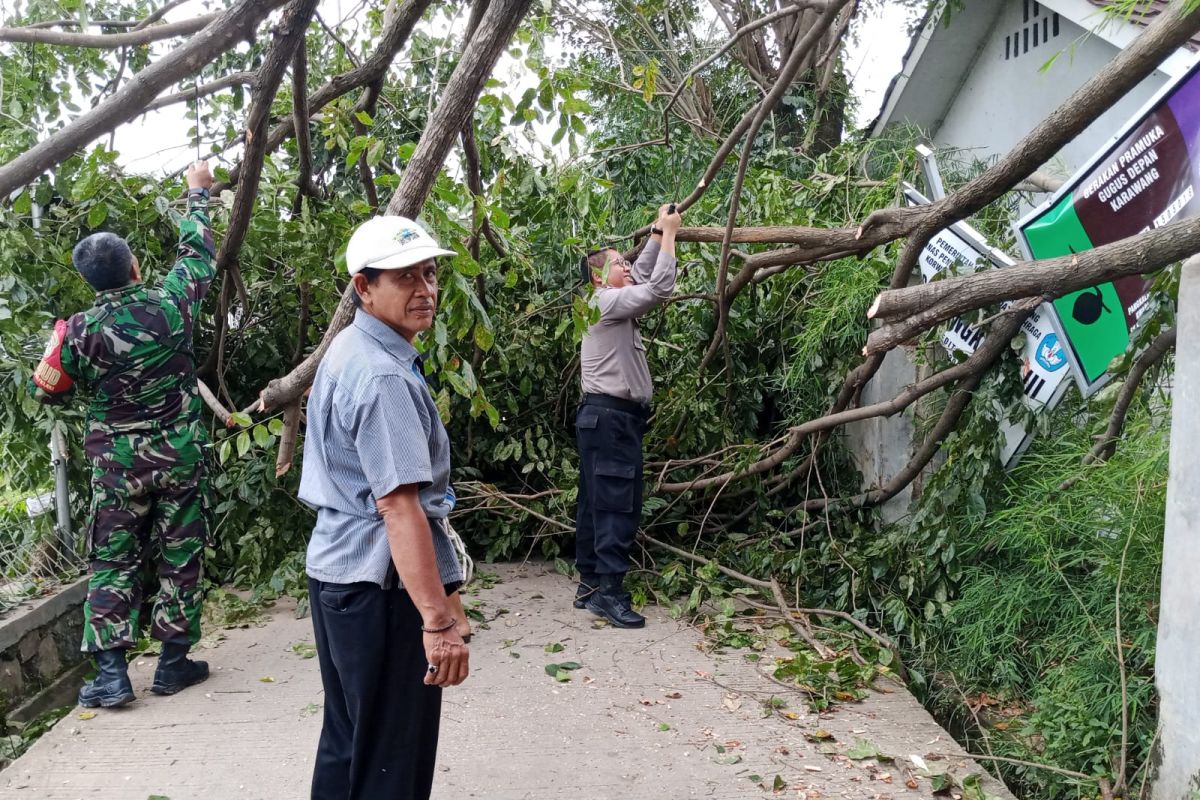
(372, 427)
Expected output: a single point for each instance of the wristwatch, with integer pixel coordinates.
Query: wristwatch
(198, 190)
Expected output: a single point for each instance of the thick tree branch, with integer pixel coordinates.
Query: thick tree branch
(395, 34)
(366, 104)
(1038, 181)
(497, 27)
(127, 103)
(214, 405)
(300, 115)
(286, 38)
(204, 90)
(74, 23)
(287, 439)
(107, 41)
(917, 308)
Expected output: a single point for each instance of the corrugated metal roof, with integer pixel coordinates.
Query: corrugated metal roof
(1145, 13)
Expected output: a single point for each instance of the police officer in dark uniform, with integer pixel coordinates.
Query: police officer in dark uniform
(611, 420)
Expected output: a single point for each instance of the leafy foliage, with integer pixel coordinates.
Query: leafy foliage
(994, 585)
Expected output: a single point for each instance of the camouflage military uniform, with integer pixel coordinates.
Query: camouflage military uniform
(132, 351)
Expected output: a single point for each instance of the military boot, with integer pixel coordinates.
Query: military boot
(612, 602)
(111, 687)
(176, 671)
(588, 582)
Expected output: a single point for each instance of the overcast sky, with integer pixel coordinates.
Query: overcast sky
(158, 142)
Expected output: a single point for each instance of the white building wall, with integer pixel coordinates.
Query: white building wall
(1001, 99)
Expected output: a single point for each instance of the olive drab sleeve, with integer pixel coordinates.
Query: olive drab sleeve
(131, 353)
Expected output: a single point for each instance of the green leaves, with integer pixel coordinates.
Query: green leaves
(972, 789)
(304, 649)
(261, 437)
(562, 672)
(484, 337)
(864, 749)
(97, 214)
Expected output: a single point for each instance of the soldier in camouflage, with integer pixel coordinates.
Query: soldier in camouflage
(132, 353)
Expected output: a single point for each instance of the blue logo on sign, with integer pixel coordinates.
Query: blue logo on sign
(1049, 355)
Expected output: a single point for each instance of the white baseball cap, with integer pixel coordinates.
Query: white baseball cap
(390, 243)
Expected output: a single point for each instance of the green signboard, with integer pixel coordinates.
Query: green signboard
(1146, 177)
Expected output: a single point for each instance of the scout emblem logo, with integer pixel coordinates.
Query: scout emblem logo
(1088, 306)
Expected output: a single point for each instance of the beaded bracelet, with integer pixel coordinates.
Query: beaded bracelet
(453, 622)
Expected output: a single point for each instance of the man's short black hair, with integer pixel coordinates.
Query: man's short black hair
(372, 275)
(592, 261)
(104, 260)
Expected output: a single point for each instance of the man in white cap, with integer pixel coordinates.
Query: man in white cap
(380, 563)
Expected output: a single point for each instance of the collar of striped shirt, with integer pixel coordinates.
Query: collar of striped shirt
(393, 342)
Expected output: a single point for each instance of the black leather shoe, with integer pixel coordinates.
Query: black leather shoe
(111, 687)
(176, 671)
(612, 602)
(587, 585)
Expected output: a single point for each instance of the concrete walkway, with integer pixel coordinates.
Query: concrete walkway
(651, 715)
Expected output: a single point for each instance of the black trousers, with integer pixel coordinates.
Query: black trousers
(380, 732)
(610, 487)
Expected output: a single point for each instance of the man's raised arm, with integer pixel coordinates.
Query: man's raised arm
(643, 266)
(194, 268)
(656, 289)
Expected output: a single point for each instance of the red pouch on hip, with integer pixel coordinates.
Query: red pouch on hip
(49, 375)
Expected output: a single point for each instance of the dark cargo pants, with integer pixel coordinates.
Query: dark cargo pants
(610, 486)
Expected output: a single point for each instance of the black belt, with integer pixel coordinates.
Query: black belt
(617, 403)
